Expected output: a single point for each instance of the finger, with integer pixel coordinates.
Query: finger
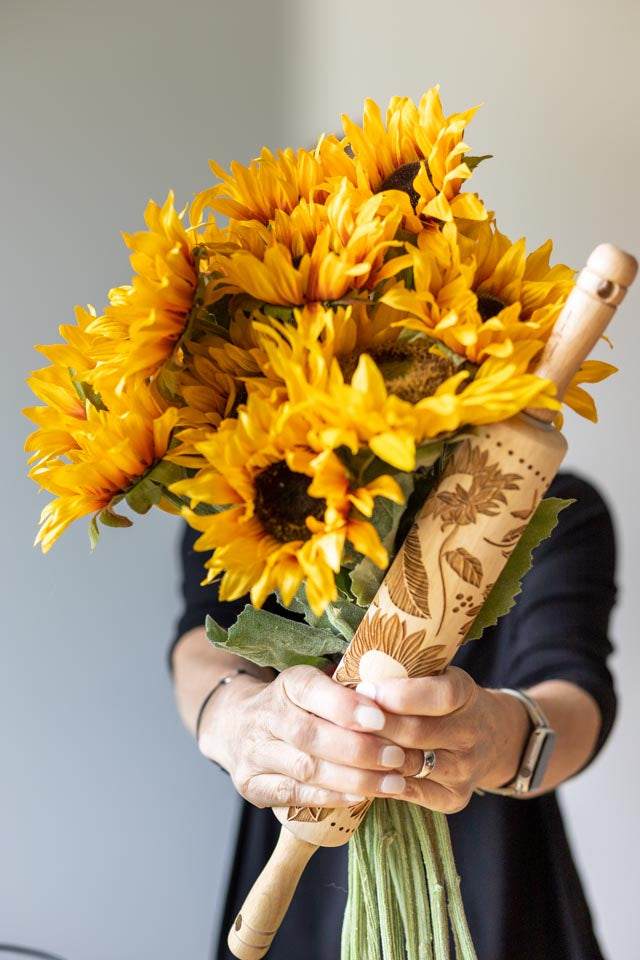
(448, 771)
(313, 691)
(435, 796)
(296, 765)
(435, 696)
(323, 739)
(274, 790)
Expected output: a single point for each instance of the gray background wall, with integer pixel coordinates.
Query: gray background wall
(114, 835)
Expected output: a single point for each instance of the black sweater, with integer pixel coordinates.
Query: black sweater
(522, 894)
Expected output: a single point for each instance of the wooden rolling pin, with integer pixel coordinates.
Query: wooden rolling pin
(444, 571)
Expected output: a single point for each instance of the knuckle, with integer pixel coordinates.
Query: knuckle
(464, 769)
(297, 682)
(447, 693)
(285, 792)
(241, 780)
(468, 738)
(301, 732)
(363, 753)
(305, 768)
(458, 800)
(415, 732)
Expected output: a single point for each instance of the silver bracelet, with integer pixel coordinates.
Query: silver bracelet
(221, 683)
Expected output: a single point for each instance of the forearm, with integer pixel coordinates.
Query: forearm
(572, 713)
(198, 666)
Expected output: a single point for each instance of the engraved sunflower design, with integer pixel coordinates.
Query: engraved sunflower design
(390, 635)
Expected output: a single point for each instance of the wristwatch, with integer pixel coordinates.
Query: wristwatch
(537, 752)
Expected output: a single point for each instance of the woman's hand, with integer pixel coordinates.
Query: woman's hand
(304, 740)
(478, 735)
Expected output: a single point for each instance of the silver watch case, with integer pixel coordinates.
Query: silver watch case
(537, 751)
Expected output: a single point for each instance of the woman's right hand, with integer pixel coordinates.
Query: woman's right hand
(302, 740)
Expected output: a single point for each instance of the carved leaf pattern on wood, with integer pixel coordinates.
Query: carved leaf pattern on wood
(521, 514)
(465, 565)
(407, 580)
(359, 809)
(308, 814)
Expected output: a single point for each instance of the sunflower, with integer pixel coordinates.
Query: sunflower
(216, 378)
(111, 452)
(394, 395)
(315, 253)
(270, 183)
(478, 296)
(419, 152)
(145, 320)
(67, 396)
(291, 509)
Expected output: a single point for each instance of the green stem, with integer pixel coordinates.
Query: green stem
(435, 883)
(370, 935)
(462, 937)
(412, 893)
(383, 836)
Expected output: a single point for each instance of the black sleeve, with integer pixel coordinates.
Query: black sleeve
(559, 627)
(198, 601)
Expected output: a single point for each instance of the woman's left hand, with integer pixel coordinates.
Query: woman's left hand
(477, 735)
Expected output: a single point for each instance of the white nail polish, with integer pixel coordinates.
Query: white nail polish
(392, 757)
(353, 798)
(393, 783)
(366, 689)
(370, 718)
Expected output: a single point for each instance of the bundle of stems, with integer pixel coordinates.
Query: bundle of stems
(404, 891)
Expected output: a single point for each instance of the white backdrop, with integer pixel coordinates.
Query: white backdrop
(114, 836)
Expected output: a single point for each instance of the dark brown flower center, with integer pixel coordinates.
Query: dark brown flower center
(282, 503)
(489, 306)
(402, 179)
(410, 370)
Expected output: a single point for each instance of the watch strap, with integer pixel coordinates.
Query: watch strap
(537, 751)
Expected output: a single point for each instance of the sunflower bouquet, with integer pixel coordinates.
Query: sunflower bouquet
(293, 380)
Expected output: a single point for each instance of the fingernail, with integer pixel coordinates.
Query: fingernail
(353, 798)
(370, 718)
(392, 757)
(393, 783)
(366, 689)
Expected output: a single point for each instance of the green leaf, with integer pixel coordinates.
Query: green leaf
(428, 453)
(110, 518)
(366, 577)
(94, 531)
(345, 617)
(365, 581)
(216, 634)
(175, 500)
(473, 162)
(274, 641)
(168, 382)
(218, 316)
(165, 472)
(144, 495)
(509, 585)
(86, 392)
(285, 314)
